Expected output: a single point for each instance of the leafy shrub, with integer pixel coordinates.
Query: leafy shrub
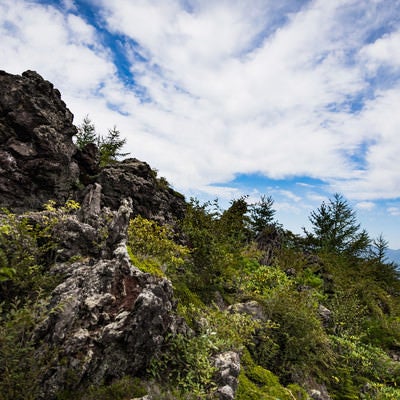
(302, 344)
(21, 366)
(149, 241)
(365, 360)
(24, 255)
(186, 364)
(262, 280)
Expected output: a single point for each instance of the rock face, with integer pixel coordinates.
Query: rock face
(40, 162)
(135, 179)
(36, 145)
(107, 318)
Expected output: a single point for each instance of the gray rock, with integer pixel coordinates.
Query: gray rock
(107, 319)
(252, 308)
(135, 179)
(228, 369)
(36, 148)
(325, 314)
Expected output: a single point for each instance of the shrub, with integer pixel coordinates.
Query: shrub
(21, 366)
(153, 244)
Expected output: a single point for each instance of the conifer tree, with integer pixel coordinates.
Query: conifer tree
(335, 228)
(261, 214)
(86, 133)
(110, 146)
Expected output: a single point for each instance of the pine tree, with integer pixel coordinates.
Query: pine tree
(110, 146)
(380, 246)
(335, 228)
(261, 214)
(86, 133)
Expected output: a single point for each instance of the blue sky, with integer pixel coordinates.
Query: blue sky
(293, 99)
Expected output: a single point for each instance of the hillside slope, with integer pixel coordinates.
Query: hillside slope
(113, 287)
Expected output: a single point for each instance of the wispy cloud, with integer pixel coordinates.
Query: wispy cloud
(395, 211)
(365, 205)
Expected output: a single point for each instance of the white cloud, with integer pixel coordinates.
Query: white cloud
(394, 211)
(365, 205)
(383, 52)
(62, 48)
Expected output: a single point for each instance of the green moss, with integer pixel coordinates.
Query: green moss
(261, 384)
(186, 296)
(146, 265)
(248, 390)
(262, 376)
(298, 392)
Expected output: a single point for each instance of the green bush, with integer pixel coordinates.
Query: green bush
(21, 366)
(186, 364)
(301, 344)
(26, 252)
(151, 244)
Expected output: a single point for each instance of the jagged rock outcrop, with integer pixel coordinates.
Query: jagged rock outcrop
(40, 162)
(36, 145)
(135, 179)
(107, 319)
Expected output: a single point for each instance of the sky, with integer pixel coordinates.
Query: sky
(294, 99)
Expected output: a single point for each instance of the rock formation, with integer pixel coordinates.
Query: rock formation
(40, 162)
(107, 319)
(135, 179)
(36, 145)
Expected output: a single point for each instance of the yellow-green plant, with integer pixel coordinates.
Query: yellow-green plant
(151, 242)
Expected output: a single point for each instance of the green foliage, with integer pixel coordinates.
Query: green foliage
(186, 364)
(365, 360)
(335, 228)
(378, 391)
(379, 248)
(21, 366)
(109, 146)
(218, 242)
(122, 389)
(25, 250)
(262, 280)
(152, 247)
(187, 361)
(261, 214)
(302, 342)
(86, 133)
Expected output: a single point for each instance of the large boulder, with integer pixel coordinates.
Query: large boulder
(36, 148)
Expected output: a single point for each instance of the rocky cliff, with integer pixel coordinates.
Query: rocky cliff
(39, 161)
(36, 148)
(107, 318)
